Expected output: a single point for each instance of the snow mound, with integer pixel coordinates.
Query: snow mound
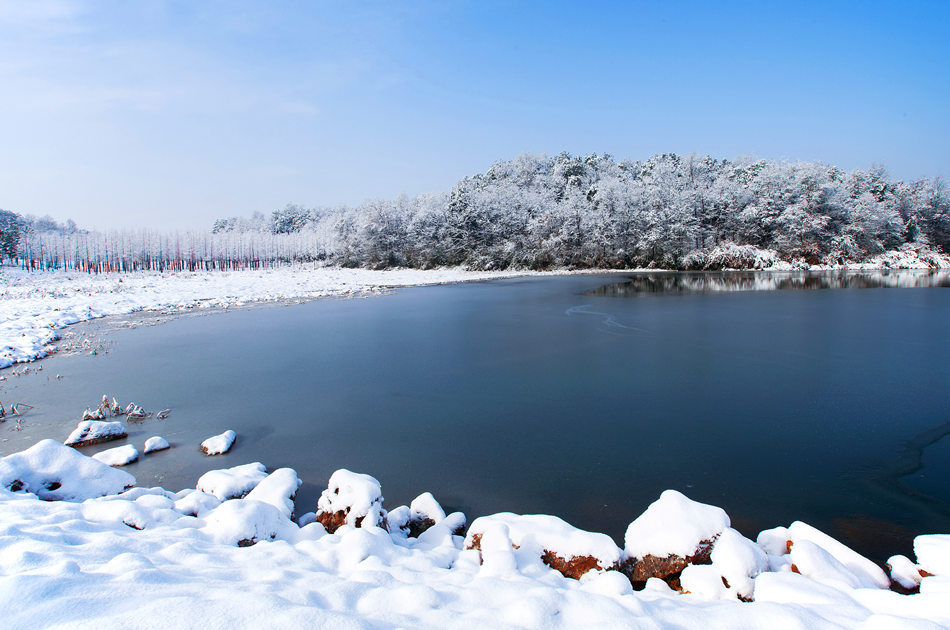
(560, 545)
(229, 483)
(191, 502)
(738, 561)
(243, 523)
(95, 431)
(54, 472)
(867, 573)
(351, 499)
(118, 456)
(155, 443)
(219, 444)
(277, 489)
(673, 525)
(933, 553)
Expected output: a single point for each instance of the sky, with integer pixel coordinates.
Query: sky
(170, 114)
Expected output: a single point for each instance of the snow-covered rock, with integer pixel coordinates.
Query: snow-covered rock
(933, 553)
(192, 502)
(672, 533)
(904, 572)
(118, 456)
(277, 489)
(351, 499)
(244, 523)
(95, 431)
(228, 483)
(738, 561)
(867, 573)
(55, 472)
(571, 551)
(155, 443)
(219, 444)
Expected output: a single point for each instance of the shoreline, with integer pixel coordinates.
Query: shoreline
(36, 306)
(237, 536)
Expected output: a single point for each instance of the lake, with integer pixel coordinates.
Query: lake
(581, 396)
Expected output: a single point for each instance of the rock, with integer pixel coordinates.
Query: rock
(90, 432)
(229, 483)
(219, 444)
(154, 444)
(561, 546)
(351, 499)
(424, 512)
(277, 489)
(673, 533)
(905, 576)
(118, 456)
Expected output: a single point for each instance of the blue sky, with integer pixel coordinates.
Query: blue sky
(171, 114)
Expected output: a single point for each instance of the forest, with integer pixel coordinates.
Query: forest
(540, 212)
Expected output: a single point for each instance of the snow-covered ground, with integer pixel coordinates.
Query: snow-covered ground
(150, 558)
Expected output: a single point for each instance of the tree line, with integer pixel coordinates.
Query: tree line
(539, 212)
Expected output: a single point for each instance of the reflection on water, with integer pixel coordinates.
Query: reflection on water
(672, 282)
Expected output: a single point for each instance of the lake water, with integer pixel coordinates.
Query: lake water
(580, 396)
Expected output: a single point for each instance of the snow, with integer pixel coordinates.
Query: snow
(233, 482)
(933, 553)
(93, 431)
(35, 306)
(47, 463)
(155, 443)
(118, 456)
(150, 558)
(219, 444)
(673, 525)
(357, 495)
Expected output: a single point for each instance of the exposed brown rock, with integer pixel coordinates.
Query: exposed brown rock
(331, 521)
(417, 526)
(668, 568)
(573, 568)
(98, 440)
(897, 587)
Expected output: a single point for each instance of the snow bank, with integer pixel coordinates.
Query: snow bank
(233, 482)
(118, 456)
(34, 306)
(219, 444)
(149, 558)
(95, 431)
(933, 553)
(351, 499)
(54, 472)
(155, 443)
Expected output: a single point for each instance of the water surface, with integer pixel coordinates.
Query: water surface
(550, 395)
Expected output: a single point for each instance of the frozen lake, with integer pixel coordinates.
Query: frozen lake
(580, 396)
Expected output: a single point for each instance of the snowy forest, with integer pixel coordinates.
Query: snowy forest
(539, 212)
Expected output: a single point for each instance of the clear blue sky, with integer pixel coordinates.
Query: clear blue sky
(171, 114)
